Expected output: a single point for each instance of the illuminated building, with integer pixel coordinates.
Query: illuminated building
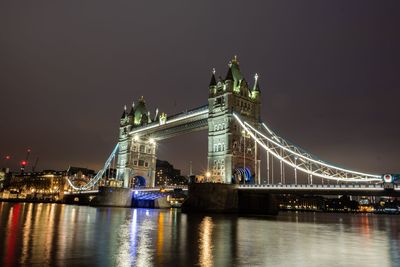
(232, 156)
(47, 184)
(137, 156)
(297, 202)
(79, 175)
(166, 174)
(2, 178)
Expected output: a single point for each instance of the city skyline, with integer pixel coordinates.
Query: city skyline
(64, 95)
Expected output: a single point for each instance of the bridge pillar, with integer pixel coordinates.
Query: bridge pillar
(232, 155)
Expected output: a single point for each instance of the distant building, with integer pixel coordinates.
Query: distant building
(5, 177)
(46, 184)
(166, 174)
(343, 203)
(109, 178)
(2, 178)
(80, 176)
(37, 184)
(80, 172)
(298, 202)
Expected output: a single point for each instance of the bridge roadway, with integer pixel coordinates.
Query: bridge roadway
(318, 189)
(185, 122)
(139, 189)
(315, 189)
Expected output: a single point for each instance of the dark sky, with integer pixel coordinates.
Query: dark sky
(329, 74)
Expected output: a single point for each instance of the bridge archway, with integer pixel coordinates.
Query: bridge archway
(137, 181)
(242, 176)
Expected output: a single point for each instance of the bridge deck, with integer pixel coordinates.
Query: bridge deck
(338, 189)
(188, 121)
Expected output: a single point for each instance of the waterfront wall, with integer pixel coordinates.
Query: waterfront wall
(251, 202)
(211, 197)
(226, 198)
(113, 196)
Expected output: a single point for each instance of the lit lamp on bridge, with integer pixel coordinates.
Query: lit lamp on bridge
(208, 175)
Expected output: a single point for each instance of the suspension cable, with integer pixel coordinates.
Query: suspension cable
(308, 158)
(92, 182)
(247, 127)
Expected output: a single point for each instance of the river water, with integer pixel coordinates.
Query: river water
(66, 235)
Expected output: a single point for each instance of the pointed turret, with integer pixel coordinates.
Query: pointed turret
(140, 116)
(132, 112)
(123, 113)
(256, 87)
(255, 92)
(229, 75)
(213, 81)
(234, 75)
(156, 115)
(237, 75)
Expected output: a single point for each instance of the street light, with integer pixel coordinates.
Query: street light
(295, 171)
(208, 175)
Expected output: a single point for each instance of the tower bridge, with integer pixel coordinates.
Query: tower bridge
(238, 141)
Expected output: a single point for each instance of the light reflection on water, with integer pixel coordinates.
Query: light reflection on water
(54, 235)
(205, 242)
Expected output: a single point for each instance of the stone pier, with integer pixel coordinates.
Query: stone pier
(113, 196)
(227, 198)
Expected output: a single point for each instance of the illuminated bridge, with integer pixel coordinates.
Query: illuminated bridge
(242, 148)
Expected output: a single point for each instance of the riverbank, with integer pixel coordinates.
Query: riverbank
(18, 200)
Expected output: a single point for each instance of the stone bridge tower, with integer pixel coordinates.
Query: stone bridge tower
(137, 154)
(232, 155)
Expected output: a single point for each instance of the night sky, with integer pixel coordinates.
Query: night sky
(329, 74)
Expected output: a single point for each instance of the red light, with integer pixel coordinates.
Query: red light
(8, 157)
(23, 163)
(29, 150)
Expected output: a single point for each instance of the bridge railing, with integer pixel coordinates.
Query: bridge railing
(314, 186)
(170, 119)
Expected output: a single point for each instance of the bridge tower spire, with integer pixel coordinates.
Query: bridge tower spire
(231, 155)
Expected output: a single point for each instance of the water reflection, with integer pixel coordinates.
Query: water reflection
(11, 238)
(160, 238)
(205, 242)
(52, 235)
